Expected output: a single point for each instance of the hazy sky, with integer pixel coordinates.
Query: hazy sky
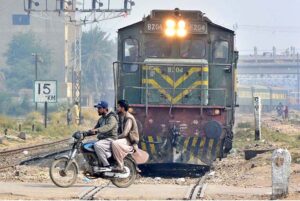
(261, 23)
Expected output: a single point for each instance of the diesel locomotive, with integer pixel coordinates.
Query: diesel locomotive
(177, 69)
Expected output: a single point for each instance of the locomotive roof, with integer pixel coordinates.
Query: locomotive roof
(188, 14)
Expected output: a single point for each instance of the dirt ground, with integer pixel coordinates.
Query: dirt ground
(231, 171)
(256, 172)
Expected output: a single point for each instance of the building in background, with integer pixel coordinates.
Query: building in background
(50, 29)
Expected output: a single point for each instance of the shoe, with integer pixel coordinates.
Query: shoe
(118, 169)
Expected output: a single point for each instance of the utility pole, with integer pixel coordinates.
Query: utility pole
(35, 55)
(298, 82)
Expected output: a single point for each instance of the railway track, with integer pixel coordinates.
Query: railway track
(197, 190)
(90, 193)
(11, 158)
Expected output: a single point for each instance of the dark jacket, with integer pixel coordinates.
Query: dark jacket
(107, 126)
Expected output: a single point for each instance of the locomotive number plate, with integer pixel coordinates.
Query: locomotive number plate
(193, 27)
(153, 27)
(175, 70)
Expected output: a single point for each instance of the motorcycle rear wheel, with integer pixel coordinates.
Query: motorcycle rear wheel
(59, 176)
(124, 183)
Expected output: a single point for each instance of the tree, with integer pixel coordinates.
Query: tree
(98, 54)
(21, 71)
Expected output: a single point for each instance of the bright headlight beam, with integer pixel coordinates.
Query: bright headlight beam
(170, 32)
(174, 27)
(181, 33)
(170, 23)
(181, 24)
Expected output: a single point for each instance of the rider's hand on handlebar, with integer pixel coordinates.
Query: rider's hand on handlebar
(89, 132)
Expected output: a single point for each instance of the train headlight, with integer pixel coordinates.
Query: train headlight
(181, 24)
(170, 23)
(170, 32)
(217, 112)
(177, 28)
(214, 112)
(181, 31)
(170, 28)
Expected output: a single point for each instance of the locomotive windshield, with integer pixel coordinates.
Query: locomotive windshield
(158, 48)
(192, 49)
(162, 48)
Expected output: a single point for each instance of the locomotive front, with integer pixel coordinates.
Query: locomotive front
(177, 70)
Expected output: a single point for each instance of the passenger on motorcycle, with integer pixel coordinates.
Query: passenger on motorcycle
(106, 128)
(128, 135)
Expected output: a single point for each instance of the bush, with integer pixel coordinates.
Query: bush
(34, 117)
(244, 125)
(7, 122)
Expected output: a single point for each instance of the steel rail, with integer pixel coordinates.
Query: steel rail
(12, 158)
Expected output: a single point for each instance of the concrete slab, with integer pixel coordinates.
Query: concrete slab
(9, 190)
(144, 192)
(212, 189)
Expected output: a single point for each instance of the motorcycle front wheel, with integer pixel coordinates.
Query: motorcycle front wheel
(125, 182)
(62, 177)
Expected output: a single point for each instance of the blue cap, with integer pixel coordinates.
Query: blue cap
(101, 104)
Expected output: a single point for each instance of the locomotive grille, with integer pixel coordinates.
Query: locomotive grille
(176, 84)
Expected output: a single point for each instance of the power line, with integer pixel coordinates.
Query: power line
(267, 28)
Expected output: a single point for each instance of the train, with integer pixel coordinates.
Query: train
(270, 97)
(177, 70)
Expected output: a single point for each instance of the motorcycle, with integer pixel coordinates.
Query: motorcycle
(65, 169)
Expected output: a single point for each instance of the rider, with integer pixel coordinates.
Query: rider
(128, 137)
(107, 130)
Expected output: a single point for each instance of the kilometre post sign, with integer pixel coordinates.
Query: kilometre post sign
(45, 91)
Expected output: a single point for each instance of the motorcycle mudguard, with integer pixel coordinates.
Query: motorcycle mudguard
(129, 157)
(66, 157)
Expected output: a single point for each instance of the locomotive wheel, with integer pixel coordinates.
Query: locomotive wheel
(124, 183)
(59, 176)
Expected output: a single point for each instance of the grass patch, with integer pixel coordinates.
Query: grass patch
(57, 127)
(285, 140)
(245, 137)
(244, 125)
(7, 122)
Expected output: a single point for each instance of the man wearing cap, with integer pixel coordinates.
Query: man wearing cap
(107, 130)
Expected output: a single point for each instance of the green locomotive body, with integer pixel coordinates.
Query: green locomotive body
(177, 70)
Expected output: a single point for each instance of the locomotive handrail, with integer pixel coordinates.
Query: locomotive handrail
(168, 64)
(146, 104)
(160, 64)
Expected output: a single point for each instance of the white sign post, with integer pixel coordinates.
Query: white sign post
(257, 117)
(45, 92)
(281, 169)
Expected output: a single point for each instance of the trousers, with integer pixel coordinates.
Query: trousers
(103, 150)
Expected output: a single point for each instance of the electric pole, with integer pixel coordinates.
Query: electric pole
(35, 55)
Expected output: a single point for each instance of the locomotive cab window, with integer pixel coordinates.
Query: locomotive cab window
(131, 54)
(220, 51)
(157, 48)
(192, 49)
